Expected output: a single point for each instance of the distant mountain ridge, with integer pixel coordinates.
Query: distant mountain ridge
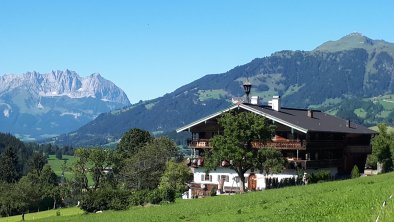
(36, 106)
(354, 66)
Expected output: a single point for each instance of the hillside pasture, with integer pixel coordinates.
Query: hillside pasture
(349, 200)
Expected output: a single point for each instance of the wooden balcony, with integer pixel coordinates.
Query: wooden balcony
(325, 144)
(200, 143)
(279, 145)
(315, 164)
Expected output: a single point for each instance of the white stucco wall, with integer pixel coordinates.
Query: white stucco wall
(288, 173)
(232, 174)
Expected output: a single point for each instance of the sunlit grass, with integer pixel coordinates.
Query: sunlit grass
(349, 200)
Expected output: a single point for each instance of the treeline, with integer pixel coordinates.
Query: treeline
(50, 149)
(26, 182)
(142, 169)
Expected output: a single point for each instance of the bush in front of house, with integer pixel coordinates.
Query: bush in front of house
(355, 172)
(156, 196)
(320, 176)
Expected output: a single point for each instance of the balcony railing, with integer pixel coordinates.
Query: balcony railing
(325, 144)
(314, 164)
(200, 143)
(280, 145)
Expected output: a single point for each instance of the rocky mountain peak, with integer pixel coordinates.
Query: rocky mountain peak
(54, 102)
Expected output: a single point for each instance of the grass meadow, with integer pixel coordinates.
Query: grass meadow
(348, 200)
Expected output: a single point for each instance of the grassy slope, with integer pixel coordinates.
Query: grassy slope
(57, 164)
(350, 200)
(44, 214)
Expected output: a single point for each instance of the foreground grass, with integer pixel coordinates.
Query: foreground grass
(350, 200)
(64, 212)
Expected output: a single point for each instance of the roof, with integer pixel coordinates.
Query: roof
(297, 119)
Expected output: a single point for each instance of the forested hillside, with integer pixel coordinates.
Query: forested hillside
(353, 68)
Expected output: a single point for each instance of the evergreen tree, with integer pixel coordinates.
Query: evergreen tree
(9, 167)
(355, 172)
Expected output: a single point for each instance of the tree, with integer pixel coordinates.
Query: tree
(9, 167)
(81, 169)
(355, 172)
(235, 145)
(27, 193)
(132, 141)
(49, 184)
(175, 176)
(144, 169)
(59, 154)
(382, 148)
(271, 160)
(101, 159)
(36, 163)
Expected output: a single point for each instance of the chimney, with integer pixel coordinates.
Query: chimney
(348, 123)
(254, 100)
(275, 103)
(310, 113)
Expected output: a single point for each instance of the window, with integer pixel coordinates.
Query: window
(206, 177)
(225, 177)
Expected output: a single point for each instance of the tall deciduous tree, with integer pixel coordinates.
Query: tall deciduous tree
(36, 163)
(235, 145)
(132, 141)
(49, 184)
(382, 147)
(144, 169)
(175, 176)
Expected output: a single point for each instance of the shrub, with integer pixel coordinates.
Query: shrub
(355, 172)
(120, 200)
(212, 193)
(155, 196)
(320, 176)
(93, 201)
(105, 199)
(138, 198)
(169, 194)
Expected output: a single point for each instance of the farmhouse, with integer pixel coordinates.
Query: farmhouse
(310, 140)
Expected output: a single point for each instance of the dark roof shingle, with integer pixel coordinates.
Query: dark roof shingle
(320, 122)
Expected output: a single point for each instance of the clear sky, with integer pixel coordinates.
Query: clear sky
(149, 48)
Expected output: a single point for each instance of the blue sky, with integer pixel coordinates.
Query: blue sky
(149, 48)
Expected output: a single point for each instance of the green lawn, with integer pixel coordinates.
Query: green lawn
(56, 166)
(350, 200)
(44, 214)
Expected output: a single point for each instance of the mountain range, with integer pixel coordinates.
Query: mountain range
(34, 106)
(351, 77)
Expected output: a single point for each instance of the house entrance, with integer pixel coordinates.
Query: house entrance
(252, 182)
